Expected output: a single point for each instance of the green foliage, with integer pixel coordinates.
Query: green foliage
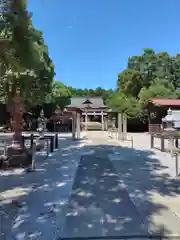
(59, 96)
(130, 80)
(24, 58)
(148, 52)
(105, 93)
(148, 75)
(121, 103)
(155, 90)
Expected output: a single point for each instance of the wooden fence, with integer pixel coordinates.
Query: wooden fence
(155, 128)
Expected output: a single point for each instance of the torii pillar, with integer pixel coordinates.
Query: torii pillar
(122, 126)
(76, 123)
(73, 125)
(119, 126)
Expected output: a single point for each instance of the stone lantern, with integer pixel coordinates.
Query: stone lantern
(168, 122)
(171, 123)
(40, 143)
(41, 123)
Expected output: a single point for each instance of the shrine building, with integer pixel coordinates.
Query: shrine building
(94, 112)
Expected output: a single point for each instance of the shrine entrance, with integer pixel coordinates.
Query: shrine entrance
(67, 121)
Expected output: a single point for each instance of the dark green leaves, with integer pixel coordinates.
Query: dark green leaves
(146, 76)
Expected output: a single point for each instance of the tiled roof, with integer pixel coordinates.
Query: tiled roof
(95, 102)
(165, 101)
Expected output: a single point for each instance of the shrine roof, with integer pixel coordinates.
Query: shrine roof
(165, 101)
(93, 102)
(66, 114)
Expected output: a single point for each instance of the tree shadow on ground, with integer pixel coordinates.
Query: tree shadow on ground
(125, 196)
(92, 196)
(30, 201)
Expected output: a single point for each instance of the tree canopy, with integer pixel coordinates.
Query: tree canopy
(24, 58)
(148, 75)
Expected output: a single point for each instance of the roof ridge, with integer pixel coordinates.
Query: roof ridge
(165, 101)
(87, 96)
(164, 98)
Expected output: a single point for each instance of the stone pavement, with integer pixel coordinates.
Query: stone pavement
(142, 142)
(91, 188)
(38, 199)
(98, 205)
(148, 176)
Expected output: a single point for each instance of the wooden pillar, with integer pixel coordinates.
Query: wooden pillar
(119, 126)
(78, 124)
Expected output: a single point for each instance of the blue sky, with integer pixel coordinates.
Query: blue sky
(91, 40)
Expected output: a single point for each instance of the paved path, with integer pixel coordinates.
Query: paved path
(39, 199)
(148, 176)
(99, 205)
(91, 188)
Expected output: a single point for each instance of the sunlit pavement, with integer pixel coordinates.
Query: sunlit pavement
(120, 191)
(90, 188)
(42, 196)
(98, 205)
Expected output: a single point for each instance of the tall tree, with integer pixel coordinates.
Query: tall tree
(24, 58)
(59, 97)
(148, 75)
(130, 81)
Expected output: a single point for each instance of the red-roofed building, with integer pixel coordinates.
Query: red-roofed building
(157, 109)
(165, 102)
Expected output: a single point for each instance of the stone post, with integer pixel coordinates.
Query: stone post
(152, 141)
(105, 124)
(78, 125)
(113, 126)
(102, 121)
(113, 122)
(124, 126)
(177, 164)
(119, 126)
(73, 126)
(86, 120)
